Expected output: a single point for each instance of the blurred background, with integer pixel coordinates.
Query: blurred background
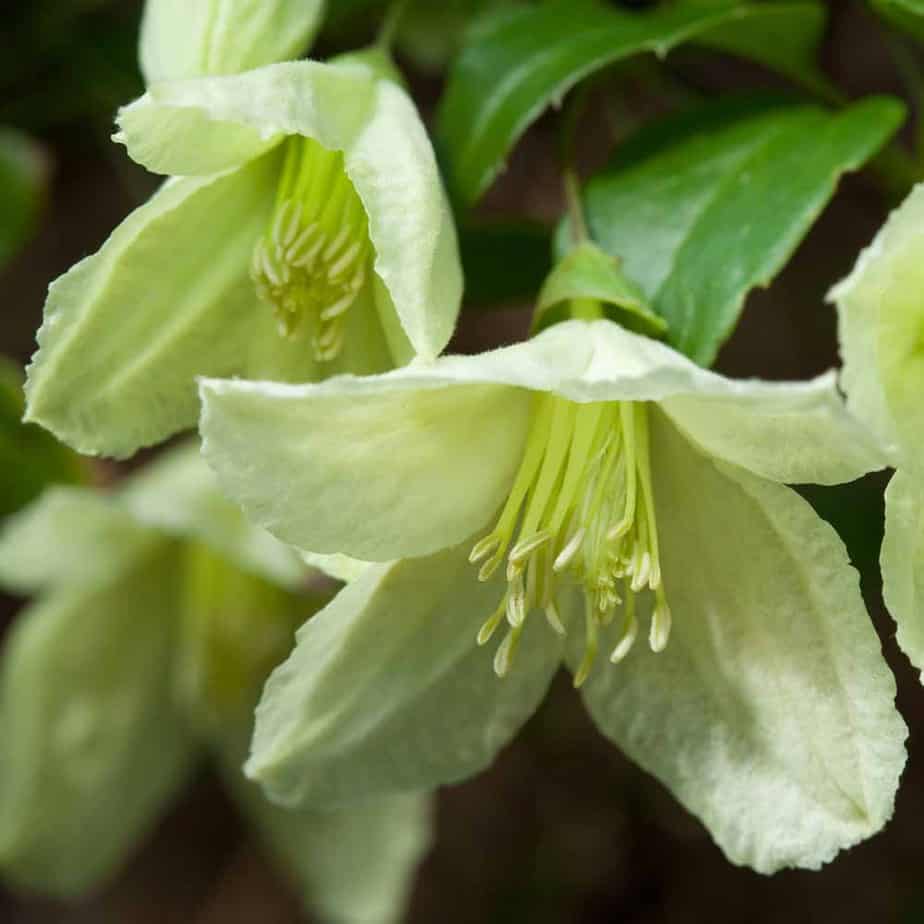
(562, 828)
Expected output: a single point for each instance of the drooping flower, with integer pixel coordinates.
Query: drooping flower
(596, 481)
(881, 312)
(211, 37)
(159, 612)
(304, 232)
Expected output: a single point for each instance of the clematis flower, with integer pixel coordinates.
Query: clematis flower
(881, 312)
(304, 231)
(159, 612)
(181, 39)
(568, 492)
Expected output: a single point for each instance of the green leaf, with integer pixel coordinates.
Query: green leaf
(586, 272)
(713, 203)
(92, 746)
(782, 36)
(906, 14)
(22, 177)
(519, 61)
(30, 457)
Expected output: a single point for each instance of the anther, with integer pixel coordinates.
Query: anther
(503, 657)
(660, 626)
(490, 625)
(312, 261)
(566, 555)
(525, 547)
(554, 619)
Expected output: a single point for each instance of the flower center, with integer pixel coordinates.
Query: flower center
(583, 511)
(313, 260)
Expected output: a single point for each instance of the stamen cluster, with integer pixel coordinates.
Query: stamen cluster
(313, 261)
(583, 509)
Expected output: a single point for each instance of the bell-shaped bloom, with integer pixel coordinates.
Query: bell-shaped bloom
(158, 613)
(180, 39)
(305, 232)
(566, 496)
(881, 311)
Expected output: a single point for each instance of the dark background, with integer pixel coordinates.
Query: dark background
(562, 828)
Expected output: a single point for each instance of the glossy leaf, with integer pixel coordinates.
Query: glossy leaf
(708, 206)
(519, 61)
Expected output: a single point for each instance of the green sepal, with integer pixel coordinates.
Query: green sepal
(587, 272)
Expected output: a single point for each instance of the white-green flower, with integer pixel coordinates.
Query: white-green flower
(881, 312)
(600, 483)
(209, 37)
(158, 613)
(304, 232)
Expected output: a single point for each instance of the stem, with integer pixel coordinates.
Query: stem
(579, 232)
(909, 69)
(390, 23)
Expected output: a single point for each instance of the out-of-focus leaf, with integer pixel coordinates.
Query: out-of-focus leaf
(431, 34)
(30, 457)
(504, 262)
(92, 748)
(22, 176)
(908, 15)
(710, 204)
(518, 61)
(585, 273)
(71, 64)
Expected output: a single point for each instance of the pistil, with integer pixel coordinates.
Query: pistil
(582, 510)
(313, 261)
